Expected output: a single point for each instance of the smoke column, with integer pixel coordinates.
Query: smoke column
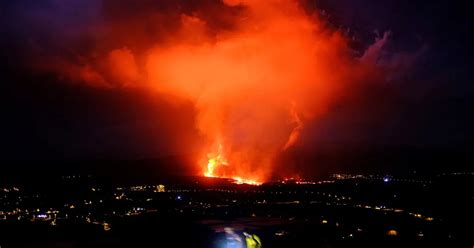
(254, 84)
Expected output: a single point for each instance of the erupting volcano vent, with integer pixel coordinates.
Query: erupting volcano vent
(255, 71)
(215, 160)
(255, 85)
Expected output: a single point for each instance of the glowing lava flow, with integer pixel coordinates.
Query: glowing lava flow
(239, 180)
(218, 159)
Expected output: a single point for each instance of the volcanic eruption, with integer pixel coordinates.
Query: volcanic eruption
(254, 86)
(254, 82)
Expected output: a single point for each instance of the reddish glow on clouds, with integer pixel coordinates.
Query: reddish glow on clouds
(123, 65)
(253, 85)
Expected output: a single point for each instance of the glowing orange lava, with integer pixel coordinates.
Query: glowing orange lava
(239, 180)
(216, 161)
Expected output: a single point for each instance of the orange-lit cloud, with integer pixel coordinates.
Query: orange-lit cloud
(254, 82)
(254, 87)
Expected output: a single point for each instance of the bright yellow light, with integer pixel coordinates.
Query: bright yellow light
(215, 160)
(160, 188)
(106, 226)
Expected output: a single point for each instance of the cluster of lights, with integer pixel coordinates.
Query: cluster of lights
(141, 188)
(386, 178)
(396, 210)
(13, 189)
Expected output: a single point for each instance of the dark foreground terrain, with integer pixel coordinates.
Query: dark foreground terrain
(343, 211)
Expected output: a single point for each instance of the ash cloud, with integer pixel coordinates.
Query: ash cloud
(256, 72)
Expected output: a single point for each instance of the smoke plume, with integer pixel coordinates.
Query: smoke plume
(255, 71)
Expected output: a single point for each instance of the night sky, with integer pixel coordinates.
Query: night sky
(423, 110)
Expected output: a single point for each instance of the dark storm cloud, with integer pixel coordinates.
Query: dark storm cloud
(430, 49)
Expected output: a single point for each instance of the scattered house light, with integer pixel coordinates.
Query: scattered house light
(280, 233)
(392, 232)
(106, 226)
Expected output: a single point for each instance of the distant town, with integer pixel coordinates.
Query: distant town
(379, 206)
